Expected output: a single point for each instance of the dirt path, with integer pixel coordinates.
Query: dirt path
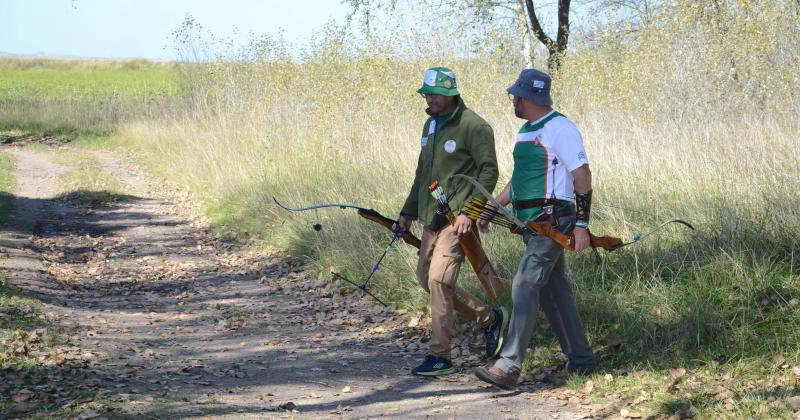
(170, 322)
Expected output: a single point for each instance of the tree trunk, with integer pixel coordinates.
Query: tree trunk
(562, 38)
(527, 35)
(556, 48)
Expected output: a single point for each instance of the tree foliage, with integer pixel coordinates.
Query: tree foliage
(521, 14)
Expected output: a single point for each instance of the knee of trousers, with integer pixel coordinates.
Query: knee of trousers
(528, 286)
(533, 272)
(422, 278)
(443, 271)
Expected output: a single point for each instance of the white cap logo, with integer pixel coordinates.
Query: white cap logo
(538, 84)
(430, 77)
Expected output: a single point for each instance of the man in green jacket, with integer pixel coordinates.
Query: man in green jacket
(455, 140)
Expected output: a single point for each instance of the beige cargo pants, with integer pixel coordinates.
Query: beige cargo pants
(440, 257)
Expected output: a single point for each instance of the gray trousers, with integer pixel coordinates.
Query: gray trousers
(541, 279)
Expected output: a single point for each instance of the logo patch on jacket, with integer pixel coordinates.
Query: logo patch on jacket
(424, 141)
(450, 146)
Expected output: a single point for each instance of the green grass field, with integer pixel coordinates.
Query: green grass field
(99, 85)
(83, 98)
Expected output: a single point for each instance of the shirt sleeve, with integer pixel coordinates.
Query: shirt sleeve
(569, 147)
(411, 205)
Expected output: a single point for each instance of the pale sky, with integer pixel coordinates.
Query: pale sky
(142, 28)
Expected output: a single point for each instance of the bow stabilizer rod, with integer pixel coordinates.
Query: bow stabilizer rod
(366, 213)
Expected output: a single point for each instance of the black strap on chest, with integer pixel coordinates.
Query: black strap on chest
(538, 202)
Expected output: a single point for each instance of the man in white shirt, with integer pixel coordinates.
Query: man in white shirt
(551, 181)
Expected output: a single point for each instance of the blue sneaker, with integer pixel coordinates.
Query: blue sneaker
(434, 366)
(495, 333)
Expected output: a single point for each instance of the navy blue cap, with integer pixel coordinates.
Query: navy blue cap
(533, 85)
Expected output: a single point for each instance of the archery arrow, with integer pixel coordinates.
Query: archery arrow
(546, 229)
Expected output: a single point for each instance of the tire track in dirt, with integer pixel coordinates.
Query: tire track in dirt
(178, 324)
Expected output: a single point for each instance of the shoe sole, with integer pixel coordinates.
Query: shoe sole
(485, 377)
(503, 328)
(440, 372)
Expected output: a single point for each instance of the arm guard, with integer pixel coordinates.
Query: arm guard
(583, 203)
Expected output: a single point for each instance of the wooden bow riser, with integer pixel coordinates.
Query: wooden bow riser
(471, 244)
(388, 223)
(609, 243)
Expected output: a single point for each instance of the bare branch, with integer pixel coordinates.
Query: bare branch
(537, 27)
(563, 25)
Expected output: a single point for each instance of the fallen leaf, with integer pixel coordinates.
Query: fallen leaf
(608, 378)
(677, 375)
(22, 395)
(89, 414)
(724, 394)
(674, 385)
(641, 398)
(778, 359)
(629, 414)
(341, 408)
(794, 402)
(289, 406)
(588, 387)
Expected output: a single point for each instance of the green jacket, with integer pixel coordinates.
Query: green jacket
(464, 144)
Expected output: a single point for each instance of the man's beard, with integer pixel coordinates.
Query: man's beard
(518, 111)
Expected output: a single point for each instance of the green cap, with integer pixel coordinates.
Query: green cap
(439, 81)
